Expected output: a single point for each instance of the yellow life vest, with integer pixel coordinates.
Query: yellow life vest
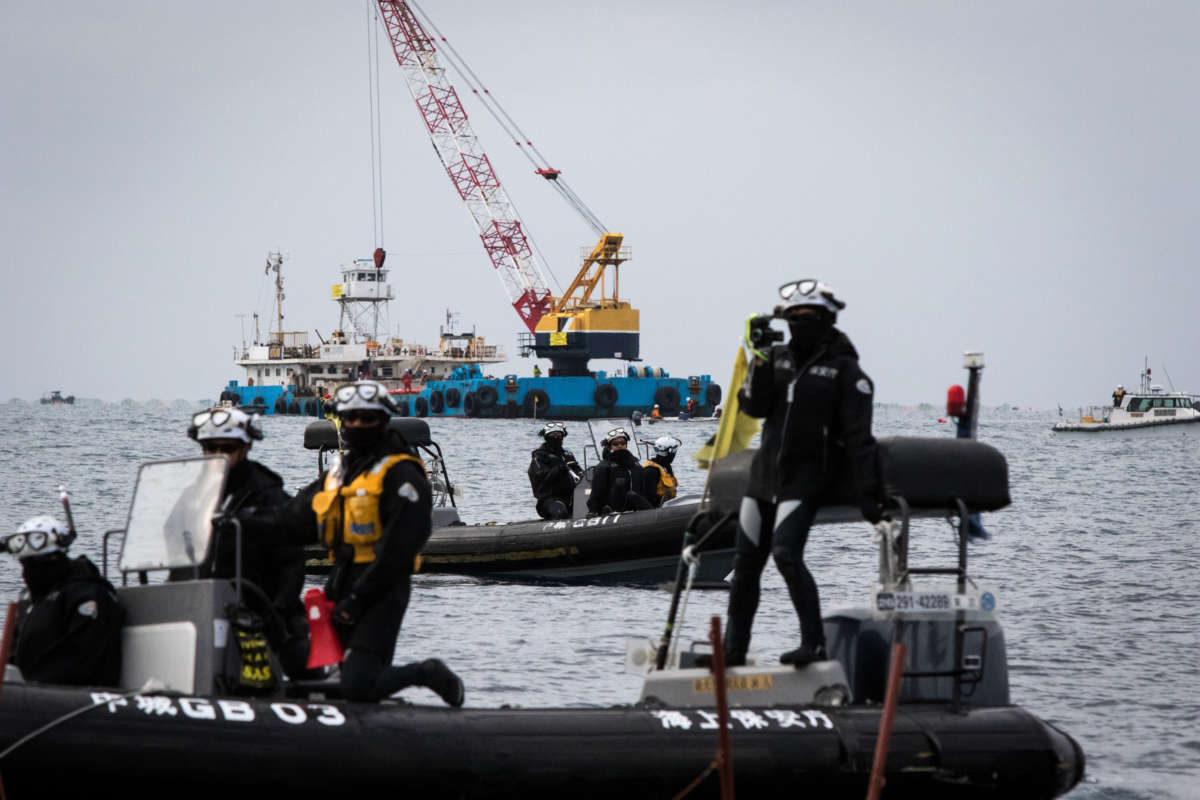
(354, 510)
(667, 483)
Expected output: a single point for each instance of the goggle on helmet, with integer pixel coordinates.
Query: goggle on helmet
(38, 537)
(666, 446)
(364, 396)
(225, 423)
(808, 292)
(553, 428)
(614, 434)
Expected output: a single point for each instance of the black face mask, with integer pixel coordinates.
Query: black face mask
(362, 438)
(808, 331)
(43, 573)
(665, 460)
(554, 443)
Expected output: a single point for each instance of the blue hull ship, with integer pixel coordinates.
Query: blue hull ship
(470, 394)
(289, 374)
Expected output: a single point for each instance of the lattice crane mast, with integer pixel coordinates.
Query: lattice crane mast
(468, 166)
(582, 323)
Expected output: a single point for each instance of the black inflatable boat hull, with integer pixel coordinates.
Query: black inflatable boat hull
(639, 547)
(178, 747)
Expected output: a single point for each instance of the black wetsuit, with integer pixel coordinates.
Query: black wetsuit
(276, 569)
(650, 479)
(69, 628)
(373, 594)
(817, 406)
(617, 484)
(552, 471)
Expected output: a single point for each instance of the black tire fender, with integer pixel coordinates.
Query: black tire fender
(471, 404)
(422, 407)
(453, 397)
(487, 395)
(712, 395)
(437, 403)
(667, 398)
(541, 399)
(605, 395)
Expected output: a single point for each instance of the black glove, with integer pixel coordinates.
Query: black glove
(872, 510)
(348, 610)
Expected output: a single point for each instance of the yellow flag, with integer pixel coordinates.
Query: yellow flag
(736, 429)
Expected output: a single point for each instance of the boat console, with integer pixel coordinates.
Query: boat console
(955, 645)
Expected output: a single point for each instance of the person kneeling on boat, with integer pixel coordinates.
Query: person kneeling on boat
(69, 624)
(659, 483)
(817, 402)
(553, 473)
(276, 570)
(618, 480)
(372, 509)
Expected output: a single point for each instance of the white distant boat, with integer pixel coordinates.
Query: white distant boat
(1149, 408)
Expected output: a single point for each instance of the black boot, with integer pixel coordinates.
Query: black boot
(804, 654)
(442, 680)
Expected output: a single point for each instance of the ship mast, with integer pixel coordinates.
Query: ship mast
(275, 262)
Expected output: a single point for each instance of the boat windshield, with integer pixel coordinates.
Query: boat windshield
(170, 518)
(1148, 403)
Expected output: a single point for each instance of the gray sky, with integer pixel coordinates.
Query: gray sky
(1015, 177)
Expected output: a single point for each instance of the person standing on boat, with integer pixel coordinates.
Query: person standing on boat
(618, 479)
(278, 570)
(372, 509)
(1118, 395)
(817, 402)
(659, 483)
(553, 473)
(69, 623)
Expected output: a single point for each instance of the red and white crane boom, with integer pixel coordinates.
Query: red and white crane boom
(468, 166)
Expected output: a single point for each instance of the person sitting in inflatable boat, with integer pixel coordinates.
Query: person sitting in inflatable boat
(69, 624)
(276, 569)
(553, 473)
(658, 478)
(617, 480)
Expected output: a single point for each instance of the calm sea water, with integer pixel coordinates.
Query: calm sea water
(1094, 565)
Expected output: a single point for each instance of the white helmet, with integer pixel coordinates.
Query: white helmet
(1120, 387)
(38, 537)
(666, 446)
(364, 396)
(553, 427)
(225, 423)
(616, 433)
(808, 292)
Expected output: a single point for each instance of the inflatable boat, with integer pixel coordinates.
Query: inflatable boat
(631, 547)
(171, 728)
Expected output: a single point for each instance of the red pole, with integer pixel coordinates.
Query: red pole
(10, 624)
(895, 673)
(724, 749)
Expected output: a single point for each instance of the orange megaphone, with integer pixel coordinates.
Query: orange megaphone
(324, 646)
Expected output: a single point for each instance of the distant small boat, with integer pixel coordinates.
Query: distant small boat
(54, 398)
(1151, 407)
